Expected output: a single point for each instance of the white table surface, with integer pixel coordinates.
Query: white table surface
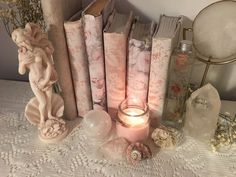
(23, 155)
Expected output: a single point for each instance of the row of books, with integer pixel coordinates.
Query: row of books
(113, 56)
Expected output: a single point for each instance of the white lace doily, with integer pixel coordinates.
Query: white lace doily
(22, 154)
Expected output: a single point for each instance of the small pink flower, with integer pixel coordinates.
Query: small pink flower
(175, 88)
(181, 60)
(157, 55)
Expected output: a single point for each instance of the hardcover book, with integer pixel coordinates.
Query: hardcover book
(164, 41)
(95, 17)
(79, 63)
(115, 45)
(139, 57)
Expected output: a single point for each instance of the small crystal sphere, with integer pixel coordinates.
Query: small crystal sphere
(97, 124)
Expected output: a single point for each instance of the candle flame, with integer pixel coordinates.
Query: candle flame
(134, 119)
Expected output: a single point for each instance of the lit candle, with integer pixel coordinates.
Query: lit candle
(133, 120)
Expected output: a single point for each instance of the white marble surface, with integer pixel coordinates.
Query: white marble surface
(23, 155)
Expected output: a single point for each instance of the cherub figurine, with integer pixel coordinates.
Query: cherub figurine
(35, 54)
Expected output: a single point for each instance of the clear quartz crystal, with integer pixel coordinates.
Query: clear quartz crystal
(178, 85)
(202, 112)
(97, 125)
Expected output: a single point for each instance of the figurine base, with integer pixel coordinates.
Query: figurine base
(53, 139)
(53, 130)
(32, 112)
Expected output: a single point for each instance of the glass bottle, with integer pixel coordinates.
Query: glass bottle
(178, 85)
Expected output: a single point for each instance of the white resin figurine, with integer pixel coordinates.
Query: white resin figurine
(46, 108)
(202, 113)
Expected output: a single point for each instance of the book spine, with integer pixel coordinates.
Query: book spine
(160, 57)
(138, 69)
(94, 46)
(53, 16)
(115, 59)
(79, 65)
(115, 63)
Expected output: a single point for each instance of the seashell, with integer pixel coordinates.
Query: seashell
(54, 134)
(166, 137)
(137, 152)
(48, 135)
(62, 121)
(162, 138)
(49, 123)
(52, 128)
(136, 155)
(60, 132)
(56, 127)
(32, 113)
(44, 130)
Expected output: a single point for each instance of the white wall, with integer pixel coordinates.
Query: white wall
(153, 8)
(221, 76)
(8, 57)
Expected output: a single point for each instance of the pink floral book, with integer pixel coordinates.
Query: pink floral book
(115, 44)
(94, 18)
(163, 42)
(139, 58)
(78, 63)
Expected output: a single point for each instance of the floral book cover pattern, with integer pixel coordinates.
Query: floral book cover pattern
(94, 45)
(115, 62)
(138, 69)
(160, 57)
(79, 65)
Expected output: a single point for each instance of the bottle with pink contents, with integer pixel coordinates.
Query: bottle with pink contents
(178, 84)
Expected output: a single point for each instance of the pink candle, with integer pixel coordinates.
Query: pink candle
(133, 120)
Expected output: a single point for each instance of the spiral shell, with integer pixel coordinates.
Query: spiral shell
(137, 152)
(136, 155)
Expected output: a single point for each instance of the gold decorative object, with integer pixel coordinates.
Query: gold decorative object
(225, 134)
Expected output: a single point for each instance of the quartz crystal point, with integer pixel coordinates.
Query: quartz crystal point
(202, 112)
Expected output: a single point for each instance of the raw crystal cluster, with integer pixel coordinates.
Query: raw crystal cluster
(114, 149)
(202, 112)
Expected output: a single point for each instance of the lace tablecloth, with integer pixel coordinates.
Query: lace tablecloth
(23, 155)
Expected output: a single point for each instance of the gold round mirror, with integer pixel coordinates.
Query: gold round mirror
(214, 32)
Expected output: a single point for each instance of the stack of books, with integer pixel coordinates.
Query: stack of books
(113, 56)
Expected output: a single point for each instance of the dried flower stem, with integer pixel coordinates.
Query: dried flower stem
(16, 13)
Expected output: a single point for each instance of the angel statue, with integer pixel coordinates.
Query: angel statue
(46, 108)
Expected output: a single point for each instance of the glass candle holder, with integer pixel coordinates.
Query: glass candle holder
(133, 120)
